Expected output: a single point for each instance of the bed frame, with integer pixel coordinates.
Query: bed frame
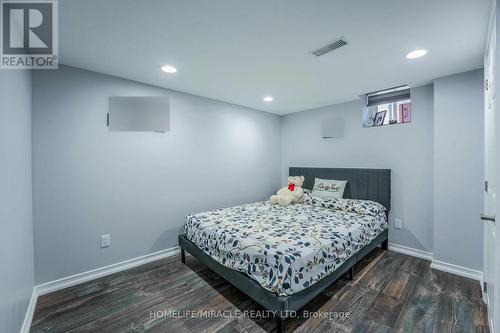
(366, 184)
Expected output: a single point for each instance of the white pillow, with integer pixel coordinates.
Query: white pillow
(329, 188)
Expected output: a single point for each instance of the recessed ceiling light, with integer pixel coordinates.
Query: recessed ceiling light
(169, 69)
(268, 99)
(416, 54)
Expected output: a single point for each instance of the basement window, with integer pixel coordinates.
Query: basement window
(387, 107)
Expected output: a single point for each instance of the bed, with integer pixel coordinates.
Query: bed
(283, 257)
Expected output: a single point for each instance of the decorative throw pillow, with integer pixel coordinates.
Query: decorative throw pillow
(328, 188)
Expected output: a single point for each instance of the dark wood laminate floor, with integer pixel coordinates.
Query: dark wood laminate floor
(391, 292)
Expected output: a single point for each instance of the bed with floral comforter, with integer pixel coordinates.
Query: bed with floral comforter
(287, 249)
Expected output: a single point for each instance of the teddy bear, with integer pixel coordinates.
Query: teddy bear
(291, 193)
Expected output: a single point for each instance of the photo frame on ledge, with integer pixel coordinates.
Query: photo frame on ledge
(379, 118)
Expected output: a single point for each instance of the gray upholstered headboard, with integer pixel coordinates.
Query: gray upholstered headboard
(365, 184)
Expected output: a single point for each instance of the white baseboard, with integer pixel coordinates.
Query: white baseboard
(73, 280)
(439, 265)
(28, 318)
(410, 251)
(457, 270)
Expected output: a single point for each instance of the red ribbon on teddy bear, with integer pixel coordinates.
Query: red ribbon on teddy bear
(291, 187)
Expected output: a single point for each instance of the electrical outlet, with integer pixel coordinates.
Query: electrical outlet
(105, 241)
(398, 223)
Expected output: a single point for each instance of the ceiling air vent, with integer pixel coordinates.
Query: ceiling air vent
(330, 47)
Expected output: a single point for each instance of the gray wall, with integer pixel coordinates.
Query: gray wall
(407, 149)
(136, 186)
(459, 169)
(16, 222)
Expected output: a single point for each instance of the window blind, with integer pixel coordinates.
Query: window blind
(388, 96)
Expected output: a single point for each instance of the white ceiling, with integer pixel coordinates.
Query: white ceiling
(241, 51)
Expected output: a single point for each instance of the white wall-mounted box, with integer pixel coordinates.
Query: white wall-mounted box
(144, 113)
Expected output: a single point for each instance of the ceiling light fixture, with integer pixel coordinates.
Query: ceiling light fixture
(416, 54)
(169, 69)
(268, 99)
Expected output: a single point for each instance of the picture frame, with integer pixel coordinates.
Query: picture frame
(379, 118)
(405, 113)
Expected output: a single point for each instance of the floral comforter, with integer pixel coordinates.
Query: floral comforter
(287, 249)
